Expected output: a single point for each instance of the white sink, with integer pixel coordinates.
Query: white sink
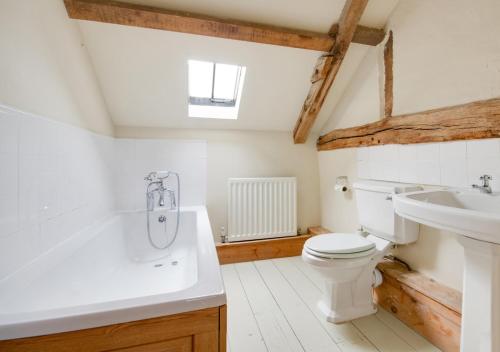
(469, 213)
(475, 216)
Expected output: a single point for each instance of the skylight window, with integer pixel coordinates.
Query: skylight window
(214, 89)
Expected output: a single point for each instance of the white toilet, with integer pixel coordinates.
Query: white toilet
(347, 260)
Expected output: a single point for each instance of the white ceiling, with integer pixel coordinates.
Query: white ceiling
(143, 72)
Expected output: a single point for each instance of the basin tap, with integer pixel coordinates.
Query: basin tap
(485, 187)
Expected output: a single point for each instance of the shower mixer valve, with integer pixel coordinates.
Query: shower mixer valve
(157, 185)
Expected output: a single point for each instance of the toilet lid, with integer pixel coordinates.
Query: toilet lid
(339, 243)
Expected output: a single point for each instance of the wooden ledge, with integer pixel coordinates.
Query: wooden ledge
(237, 252)
(431, 309)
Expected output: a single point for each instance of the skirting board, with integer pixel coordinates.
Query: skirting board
(431, 309)
(237, 252)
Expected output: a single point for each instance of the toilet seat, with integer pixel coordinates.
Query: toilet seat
(339, 246)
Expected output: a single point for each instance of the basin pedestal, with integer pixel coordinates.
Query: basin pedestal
(481, 296)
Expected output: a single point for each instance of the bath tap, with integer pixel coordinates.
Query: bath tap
(157, 184)
(485, 187)
(161, 189)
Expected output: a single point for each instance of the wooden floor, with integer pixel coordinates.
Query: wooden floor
(272, 307)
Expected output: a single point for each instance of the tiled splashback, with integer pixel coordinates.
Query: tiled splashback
(454, 164)
(135, 158)
(56, 179)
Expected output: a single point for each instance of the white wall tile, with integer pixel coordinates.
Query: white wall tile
(428, 152)
(363, 154)
(54, 179)
(408, 163)
(452, 164)
(9, 200)
(364, 169)
(454, 173)
(428, 173)
(8, 134)
(383, 162)
(453, 150)
(483, 148)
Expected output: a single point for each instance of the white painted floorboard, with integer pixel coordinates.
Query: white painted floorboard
(272, 307)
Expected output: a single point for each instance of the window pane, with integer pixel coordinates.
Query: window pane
(226, 77)
(200, 78)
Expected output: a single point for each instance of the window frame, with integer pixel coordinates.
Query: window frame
(212, 100)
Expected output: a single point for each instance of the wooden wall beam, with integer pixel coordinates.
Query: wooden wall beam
(475, 120)
(388, 75)
(351, 14)
(177, 21)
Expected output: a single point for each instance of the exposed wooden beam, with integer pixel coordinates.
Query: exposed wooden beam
(351, 14)
(475, 120)
(388, 74)
(176, 21)
(363, 35)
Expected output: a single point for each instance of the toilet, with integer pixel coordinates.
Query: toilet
(347, 261)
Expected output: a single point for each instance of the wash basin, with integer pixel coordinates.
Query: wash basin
(475, 216)
(469, 213)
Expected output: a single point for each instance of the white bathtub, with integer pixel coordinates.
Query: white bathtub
(110, 274)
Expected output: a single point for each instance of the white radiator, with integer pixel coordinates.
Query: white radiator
(261, 208)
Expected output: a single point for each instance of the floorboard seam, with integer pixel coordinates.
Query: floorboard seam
(251, 308)
(280, 308)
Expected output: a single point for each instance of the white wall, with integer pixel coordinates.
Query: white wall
(446, 52)
(44, 67)
(55, 179)
(249, 154)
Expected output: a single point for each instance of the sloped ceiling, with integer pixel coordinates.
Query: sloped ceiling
(143, 72)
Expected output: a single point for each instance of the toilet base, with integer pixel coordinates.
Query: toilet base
(348, 314)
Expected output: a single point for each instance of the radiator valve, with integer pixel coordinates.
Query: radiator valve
(223, 235)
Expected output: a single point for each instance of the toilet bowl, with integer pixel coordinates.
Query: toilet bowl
(347, 261)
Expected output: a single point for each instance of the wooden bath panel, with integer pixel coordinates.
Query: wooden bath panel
(196, 331)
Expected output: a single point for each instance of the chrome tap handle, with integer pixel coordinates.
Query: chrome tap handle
(151, 176)
(485, 187)
(486, 179)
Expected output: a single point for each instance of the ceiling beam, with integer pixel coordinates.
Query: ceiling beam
(329, 65)
(477, 120)
(176, 21)
(388, 75)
